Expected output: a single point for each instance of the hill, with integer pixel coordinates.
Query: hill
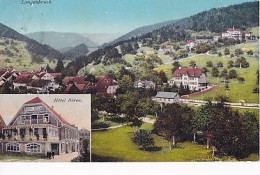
(142, 30)
(77, 51)
(31, 45)
(101, 38)
(59, 40)
(215, 20)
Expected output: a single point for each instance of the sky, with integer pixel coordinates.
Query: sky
(77, 113)
(99, 16)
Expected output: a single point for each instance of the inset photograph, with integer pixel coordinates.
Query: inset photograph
(45, 128)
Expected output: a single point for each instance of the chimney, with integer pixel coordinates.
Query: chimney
(52, 107)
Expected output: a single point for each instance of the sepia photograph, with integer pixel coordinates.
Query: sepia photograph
(45, 128)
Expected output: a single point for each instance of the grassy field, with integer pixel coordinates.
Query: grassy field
(99, 69)
(237, 90)
(20, 58)
(116, 145)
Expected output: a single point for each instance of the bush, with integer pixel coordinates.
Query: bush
(143, 138)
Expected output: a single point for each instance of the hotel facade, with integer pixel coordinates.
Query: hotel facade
(37, 129)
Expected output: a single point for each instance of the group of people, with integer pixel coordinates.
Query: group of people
(50, 155)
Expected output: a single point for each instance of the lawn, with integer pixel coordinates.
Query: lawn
(106, 122)
(21, 59)
(116, 145)
(238, 91)
(99, 69)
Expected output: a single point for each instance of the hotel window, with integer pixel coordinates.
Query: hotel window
(33, 148)
(46, 118)
(13, 147)
(34, 119)
(23, 118)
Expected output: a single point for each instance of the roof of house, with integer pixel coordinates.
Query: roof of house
(24, 78)
(191, 72)
(145, 83)
(56, 74)
(171, 95)
(66, 80)
(38, 100)
(2, 72)
(104, 82)
(38, 83)
(2, 122)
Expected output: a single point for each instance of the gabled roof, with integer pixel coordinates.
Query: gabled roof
(168, 95)
(104, 82)
(38, 100)
(191, 72)
(2, 122)
(24, 78)
(38, 83)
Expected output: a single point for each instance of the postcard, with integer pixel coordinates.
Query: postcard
(167, 80)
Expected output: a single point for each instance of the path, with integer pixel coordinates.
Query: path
(111, 127)
(148, 120)
(58, 158)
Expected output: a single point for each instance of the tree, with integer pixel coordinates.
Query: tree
(59, 67)
(202, 119)
(241, 63)
(49, 70)
(220, 54)
(250, 131)
(220, 64)
(232, 74)
(238, 52)
(230, 64)
(162, 76)
(192, 63)
(224, 73)
(226, 51)
(174, 122)
(125, 83)
(215, 72)
(250, 52)
(241, 80)
(209, 64)
(176, 66)
(143, 138)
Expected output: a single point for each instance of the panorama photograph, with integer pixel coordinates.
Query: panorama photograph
(170, 81)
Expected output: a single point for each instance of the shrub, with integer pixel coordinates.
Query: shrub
(143, 138)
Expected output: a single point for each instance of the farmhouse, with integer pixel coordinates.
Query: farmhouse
(193, 78)
(233, 33)
(167, 97)
(37, 129)
(106, 86)
(190, 44)
(144, 84)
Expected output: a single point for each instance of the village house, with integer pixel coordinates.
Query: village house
(144, 84)
(37, 129)
(190, 44)
(106, 86)
(233, 33)
(194, 78)
(167, 97)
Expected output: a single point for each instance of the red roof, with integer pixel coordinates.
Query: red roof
(104, 82)
(38, 100)
(24, 78)
(191, 72)
(56, 74)
(38, 83)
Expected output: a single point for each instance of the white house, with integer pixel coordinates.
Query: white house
(194, 78)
